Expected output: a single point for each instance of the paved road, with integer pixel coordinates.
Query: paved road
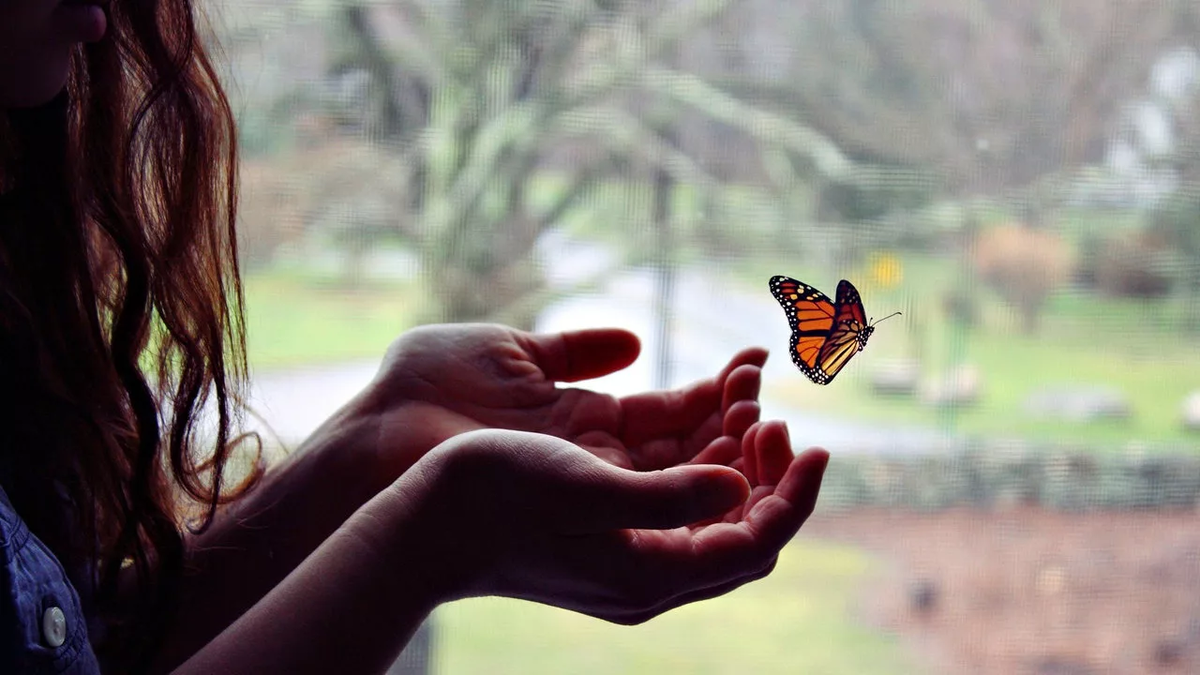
(710, 324)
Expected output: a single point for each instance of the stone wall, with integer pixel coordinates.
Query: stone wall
(1057, 480)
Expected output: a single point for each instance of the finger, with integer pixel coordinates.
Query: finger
(685, 445)
(750, 454)
(773, 448)
(740, 417)
(673, 562)
(683, 411)
(722, 451)
(611, 498)
(743, 384)
(583, 354)
(776, 519)
(670, 414)
(802, 480)
(757, 494)
(725, 551)
(750, 356)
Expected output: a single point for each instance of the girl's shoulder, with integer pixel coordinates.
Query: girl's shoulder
(42, 626)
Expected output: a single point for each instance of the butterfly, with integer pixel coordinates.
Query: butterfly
(825, 334)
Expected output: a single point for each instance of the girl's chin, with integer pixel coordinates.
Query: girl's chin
(81, 22)
(34, 87)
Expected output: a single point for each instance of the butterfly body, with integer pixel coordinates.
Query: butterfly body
(826, 333)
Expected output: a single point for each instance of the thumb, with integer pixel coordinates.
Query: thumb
(616, 498)
(582, 354)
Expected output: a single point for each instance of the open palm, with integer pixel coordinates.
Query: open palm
(565, 528)
(440, 381)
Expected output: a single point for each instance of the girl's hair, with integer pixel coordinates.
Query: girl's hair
(120, 314)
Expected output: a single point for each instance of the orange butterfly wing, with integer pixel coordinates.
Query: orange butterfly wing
(810, 314)
(825, 334)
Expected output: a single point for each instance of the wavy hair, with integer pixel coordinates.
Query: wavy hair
(121, 315)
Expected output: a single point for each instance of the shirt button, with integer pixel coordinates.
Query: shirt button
(54, 627)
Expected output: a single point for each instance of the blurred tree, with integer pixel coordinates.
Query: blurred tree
(899, 102)
(926, 99)
(505, 116)
(1177, 218)
(1034, 86)
(1007, 98)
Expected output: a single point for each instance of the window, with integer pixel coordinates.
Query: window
(1015, 477)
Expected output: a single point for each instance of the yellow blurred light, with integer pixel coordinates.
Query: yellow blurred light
(886, 270)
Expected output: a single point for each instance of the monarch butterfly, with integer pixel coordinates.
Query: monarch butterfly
(825, 334)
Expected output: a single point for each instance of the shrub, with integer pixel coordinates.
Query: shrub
(1133, 265)
(1024, 265)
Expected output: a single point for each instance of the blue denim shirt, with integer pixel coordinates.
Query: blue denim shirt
(42, 626)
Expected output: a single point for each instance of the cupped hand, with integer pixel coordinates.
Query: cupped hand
(440, 381)
(535, 517)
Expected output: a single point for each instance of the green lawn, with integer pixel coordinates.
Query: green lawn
(296, 320)
(797, 620)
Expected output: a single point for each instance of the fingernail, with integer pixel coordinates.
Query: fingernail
(824, 460)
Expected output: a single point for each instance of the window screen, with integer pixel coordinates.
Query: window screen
(1014, 479)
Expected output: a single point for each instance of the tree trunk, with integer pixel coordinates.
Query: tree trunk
(664, 185)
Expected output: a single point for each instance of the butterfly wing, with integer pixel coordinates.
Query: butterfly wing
(848, 334)
(810, 314)
(849, 304)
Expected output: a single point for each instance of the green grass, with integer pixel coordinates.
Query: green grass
(296, 320)
(797, 620)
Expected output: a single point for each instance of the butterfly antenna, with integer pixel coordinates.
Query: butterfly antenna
(886, 317)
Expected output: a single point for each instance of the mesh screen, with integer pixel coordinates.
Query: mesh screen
(1014, 478)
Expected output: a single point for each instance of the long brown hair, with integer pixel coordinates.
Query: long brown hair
(120, 312)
